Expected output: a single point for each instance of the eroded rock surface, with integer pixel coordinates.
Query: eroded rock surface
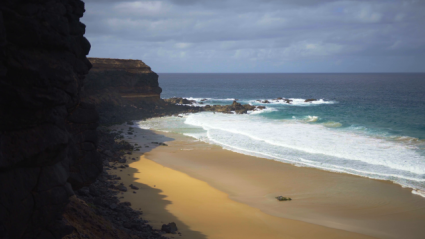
(132, 80)
(48, 136)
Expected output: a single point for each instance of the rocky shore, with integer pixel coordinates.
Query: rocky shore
(48, 139)
(96, 212)
(53, 158)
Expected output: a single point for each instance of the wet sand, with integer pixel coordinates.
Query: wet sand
(214, 193)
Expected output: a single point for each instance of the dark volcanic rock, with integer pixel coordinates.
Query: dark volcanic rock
(133, 80)
(48, 136)
(97, 213)
(235, 106)
(310, 100)
(169, 228)
(181, 101)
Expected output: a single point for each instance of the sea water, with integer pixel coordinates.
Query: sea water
(371, 125)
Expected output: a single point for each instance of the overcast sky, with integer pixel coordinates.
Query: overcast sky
(261, 35)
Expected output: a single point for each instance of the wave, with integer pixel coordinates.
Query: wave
(315, 145)
(293, 102)
(266, 110)
(208, 99)
(311, 119)
(419, 192)
(352, 150)
(332, 124)
(202, 102)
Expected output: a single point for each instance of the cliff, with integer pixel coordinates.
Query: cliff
(48, 136)
(131, 80)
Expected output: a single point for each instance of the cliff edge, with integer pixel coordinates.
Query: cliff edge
(131, 80)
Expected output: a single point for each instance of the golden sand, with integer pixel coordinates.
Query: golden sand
(214, 193)
(208, 212)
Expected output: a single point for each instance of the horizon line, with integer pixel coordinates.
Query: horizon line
(290, 72)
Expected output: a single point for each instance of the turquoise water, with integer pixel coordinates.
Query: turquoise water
(371, 125)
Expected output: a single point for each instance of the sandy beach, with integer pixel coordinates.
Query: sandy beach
(210, 192)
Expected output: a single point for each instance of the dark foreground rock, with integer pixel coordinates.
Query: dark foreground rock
(97, 213)
(48, 139)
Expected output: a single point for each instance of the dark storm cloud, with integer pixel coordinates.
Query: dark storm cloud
(261, 35)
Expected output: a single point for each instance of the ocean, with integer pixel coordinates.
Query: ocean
(370, 125)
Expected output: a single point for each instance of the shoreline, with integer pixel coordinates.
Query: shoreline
(345, 208)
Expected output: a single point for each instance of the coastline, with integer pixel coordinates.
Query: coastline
(325, 202)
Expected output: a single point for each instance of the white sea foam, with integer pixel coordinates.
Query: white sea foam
(310, 118)
(266, 110)
(209, 99)
(303, 143)
(202, 102)
(419, 192)
(315, 145)
(294, 102)
(332, 124)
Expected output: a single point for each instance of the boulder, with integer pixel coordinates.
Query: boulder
(310, 100)
(281, 198)
(181, 101)
(122, 188)
(241, 111)
(133, 187)
(169, 228)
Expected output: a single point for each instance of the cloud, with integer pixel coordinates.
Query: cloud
(262, 35)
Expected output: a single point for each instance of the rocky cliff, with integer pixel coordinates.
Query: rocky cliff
(132, 80)
(48, 135)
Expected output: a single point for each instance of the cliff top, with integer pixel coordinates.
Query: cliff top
(134, 66)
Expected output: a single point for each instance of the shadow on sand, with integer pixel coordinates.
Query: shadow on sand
(157, 203)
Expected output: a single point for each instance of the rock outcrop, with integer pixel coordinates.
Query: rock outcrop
(48, 135)
(133, 80)
(235, 106)
(179, 100)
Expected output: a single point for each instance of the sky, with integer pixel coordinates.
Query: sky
(260, 36)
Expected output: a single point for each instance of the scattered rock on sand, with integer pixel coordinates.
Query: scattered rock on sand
(133, 187)
(169, 228)
(281, 198)
(122, 188)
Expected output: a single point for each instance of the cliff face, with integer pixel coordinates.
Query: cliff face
(133, 80)
(47, 135)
